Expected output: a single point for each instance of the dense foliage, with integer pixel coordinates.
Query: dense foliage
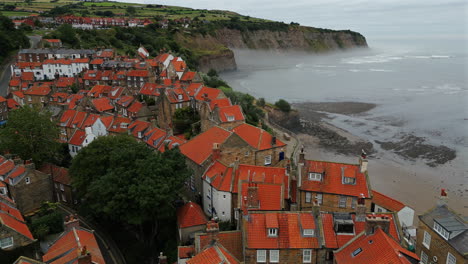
(123, 181)
(10, 38)
(186, 121)
(31, 134)
(283, 105)
(49, 220)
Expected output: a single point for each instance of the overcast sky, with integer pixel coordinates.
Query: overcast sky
(376, 19)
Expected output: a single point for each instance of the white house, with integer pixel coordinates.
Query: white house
(217, 195)
(79, 140)
(99, 128)
(64, 67)
(383, 203)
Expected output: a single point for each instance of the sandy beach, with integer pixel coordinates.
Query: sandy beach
(411, 181)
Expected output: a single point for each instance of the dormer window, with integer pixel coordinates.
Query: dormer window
(344, 226)
(314, 176)
(230, 118)
(349, 180)
(272, 232)
(441, 231)
(308, 232)
(180, 97)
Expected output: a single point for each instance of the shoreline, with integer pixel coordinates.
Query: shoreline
(412, 181)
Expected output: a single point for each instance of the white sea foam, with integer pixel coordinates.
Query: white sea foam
(380, 58)
(355, 70)
(380, 70)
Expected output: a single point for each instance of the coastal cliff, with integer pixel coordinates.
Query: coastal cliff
(307, 39)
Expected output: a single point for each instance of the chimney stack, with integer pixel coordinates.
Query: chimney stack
(443, 198)
(252, 196)
(216, 152)
(273, 140)
(212, 228)
(361, 209)
(28, 164)
(374, 221)
(162, 258)
(363, 162)
(84, 256)
(71, 222)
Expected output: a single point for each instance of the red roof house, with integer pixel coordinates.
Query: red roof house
(190, 219)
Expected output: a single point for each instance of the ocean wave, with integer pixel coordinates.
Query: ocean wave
(324, 66)
(381, 58)
(428, 56)
(355, 70)
(380, 70)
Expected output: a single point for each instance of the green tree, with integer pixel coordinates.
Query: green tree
(184, 118)
(283, 105)
(131, 11)
(67, 34)
(31, 134)
(261, 102)
(124, 181)
(212, 73)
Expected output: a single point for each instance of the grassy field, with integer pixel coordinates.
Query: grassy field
(118, 8)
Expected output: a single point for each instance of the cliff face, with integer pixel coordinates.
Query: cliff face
(294, 39)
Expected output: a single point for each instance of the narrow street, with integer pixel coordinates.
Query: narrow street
(6, 73)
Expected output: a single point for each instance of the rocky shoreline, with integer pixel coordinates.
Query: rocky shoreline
(310, 120)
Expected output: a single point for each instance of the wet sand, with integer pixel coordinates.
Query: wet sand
(411, 181)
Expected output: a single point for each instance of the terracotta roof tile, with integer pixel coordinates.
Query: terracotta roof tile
(154, 137)
(387, 202)
(207, 93)
(78, 138)
(18, 94)
(59, 174)
(188, 76)
(191, 214)
(15, 224)
(231, 114)
(332, 180)
(193, 88)
(171, 142)
(215, 254)
(138, 126)
(102, 104)
(12, 104)
(185, 251)
(138, 73)
(15, 82)
(224, 102)
(27, 76)
(38, 90)
(120, 125)
(201, 147)
(231, 240)
(375, 248)
(256, 137)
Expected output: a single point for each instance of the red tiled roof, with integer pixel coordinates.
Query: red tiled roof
(173, 95)
(138, 73)
(118, 125)
(38, 90)
(67, 247)
(234, 112)
(27, 76)
(375, 248)
(78, 138)
(179, 66)
(231, 240)
(59, 174)
(193, 88)
(135, 107)
(18, 94)
(80, 60)
(11, 210)
(154, 137)
(387, 202)
(102, 104)
(89, 121)
(53, 40)
(17, 171)
(289, 232)
(65, 82)
(15, 224)
(58, 61)
(334, 240)
(161, 57)
(261, 174)
(2, 99)
(269, 197)
(15, 82)
(116, 92)
(256, 137)
(6, 167)
(107, 120)
(220, 176)
(223, 102)
(215, 254)
(208, 93)
(332, 180)
(150, 89)
(67, 117)
(99, 90)
(73, 99)
(125, 101)
(191, 214)
(201, 147)
(138, 126)
(78, 119)
(185, 251)
(171, 142)
(188, 76)
(97, 61)
(12, 104)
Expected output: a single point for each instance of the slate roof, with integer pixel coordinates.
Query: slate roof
(455, 224)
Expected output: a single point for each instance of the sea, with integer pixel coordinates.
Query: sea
(420, 90)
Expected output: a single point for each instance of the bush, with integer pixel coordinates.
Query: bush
(50, 221)
(261, 102)
(212, 73)
(283, 105)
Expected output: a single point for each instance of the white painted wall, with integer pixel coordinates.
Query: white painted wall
(220, 200)
(98, 128)
(406, 216)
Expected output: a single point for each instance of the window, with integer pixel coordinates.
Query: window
(268, 160)
(28, 180)
(356, 252)
(426, 240)
(307, 256)
(349, 180)
(379, 210)
(313, 176)
(451, 259)
(261, 255)
(224, 196)
(274, 256)
(353, 202)
(319, 198)
(272, 232)
(424, 257)
(342, 203)
(308, 232)
(247, 153)
(64, 198)
(230, 118)
(439, 229)
(308, 197)
(6, 242)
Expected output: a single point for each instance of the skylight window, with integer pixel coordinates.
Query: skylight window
(356, 252)
(349, 180)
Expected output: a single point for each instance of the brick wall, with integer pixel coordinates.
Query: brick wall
(330, 203)
(438, 246)
(18, 239)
